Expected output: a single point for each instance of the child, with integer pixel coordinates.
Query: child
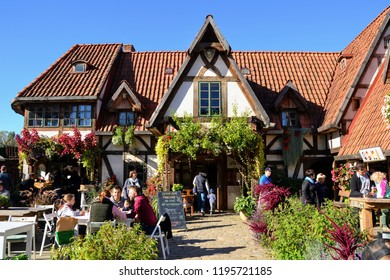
(126, 206)
(212, 199)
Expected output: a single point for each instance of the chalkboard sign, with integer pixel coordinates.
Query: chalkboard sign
(172, 204)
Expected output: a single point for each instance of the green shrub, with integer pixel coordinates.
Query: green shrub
(110, 243)
(20, 257)
(5, 201)
(293, 229)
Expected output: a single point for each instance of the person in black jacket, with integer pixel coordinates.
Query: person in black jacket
(309, 188)
(360, 184)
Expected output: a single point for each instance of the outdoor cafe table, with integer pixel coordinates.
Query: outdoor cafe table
(366, 205)
(11, 228)
(20, 212)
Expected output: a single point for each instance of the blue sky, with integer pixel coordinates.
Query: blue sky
(36, 33)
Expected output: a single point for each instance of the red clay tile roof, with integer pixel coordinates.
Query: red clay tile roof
(368, 128)
(59, 81)
(145, 73)
(344, 79)
(311, 73)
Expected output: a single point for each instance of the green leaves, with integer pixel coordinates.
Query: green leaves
(110, 243)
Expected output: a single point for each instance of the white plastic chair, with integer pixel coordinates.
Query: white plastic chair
(18, 238)
(49, 208)
(159, 235)
(49, 229)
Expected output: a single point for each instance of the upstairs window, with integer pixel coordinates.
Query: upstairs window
(44, 116)
(35, 116)
(126, 118)
(290, 119)
(79, 68)
(78, 115)
(52, 116)
(209, 98)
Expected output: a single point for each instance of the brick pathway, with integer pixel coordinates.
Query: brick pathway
(221, 236)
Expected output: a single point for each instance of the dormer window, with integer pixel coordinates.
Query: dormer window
(126, 118)
(290, 118)
(79, 66)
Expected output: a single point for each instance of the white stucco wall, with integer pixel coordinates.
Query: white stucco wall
(236, 98)
(183, 101)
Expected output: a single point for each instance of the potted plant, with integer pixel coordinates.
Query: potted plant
(244, 205)
(5, 202)
(177, 187)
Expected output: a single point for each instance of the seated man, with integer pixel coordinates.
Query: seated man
(142, 211)
(116, 197)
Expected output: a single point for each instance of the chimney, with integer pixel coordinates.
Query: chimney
(128, 48)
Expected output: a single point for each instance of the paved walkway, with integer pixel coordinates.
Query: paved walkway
(221, 236)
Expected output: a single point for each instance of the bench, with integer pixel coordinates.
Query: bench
(344, 195)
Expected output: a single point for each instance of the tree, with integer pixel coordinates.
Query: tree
(7, 138)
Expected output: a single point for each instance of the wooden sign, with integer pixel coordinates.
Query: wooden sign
(172, 204)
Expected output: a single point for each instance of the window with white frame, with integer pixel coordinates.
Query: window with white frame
(78, 115)
(209, 98)
(79, 67)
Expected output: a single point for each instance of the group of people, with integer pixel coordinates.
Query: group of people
(130, 203)
(363, 184)
(314, 190)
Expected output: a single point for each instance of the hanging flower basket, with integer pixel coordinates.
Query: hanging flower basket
(386, 109)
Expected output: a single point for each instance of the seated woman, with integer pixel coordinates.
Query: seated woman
(111, 212)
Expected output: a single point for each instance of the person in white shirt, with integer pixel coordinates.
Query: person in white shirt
(66, 209)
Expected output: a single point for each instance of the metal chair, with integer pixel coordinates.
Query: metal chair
(48, 209)
(50, 220)
(18, 238)
(159, 235)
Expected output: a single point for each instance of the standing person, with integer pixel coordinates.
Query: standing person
(360, 182)
(212, 200)
(309, 188)
(116, 197)
(131, 181)
(142, 211)
(266, 177)
(381, 184)
(321, 189)
(6, 178)
(201, 187)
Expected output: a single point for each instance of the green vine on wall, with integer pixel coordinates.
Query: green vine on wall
(233, 136)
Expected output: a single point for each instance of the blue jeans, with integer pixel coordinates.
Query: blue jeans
(201, 198)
